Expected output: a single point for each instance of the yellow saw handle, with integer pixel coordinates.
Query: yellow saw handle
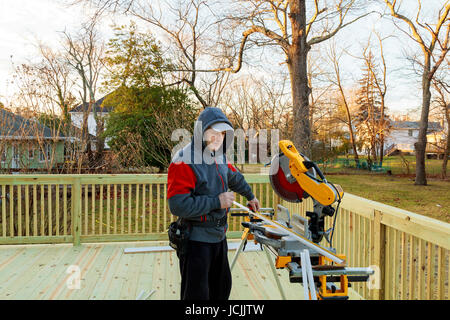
(321, 191)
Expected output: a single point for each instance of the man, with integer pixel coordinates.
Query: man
(199, 177)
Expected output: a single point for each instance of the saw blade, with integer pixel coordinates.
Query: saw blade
(283, 183)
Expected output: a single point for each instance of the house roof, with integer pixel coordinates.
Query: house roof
(14, 125)
(432, 126)
(98, 105)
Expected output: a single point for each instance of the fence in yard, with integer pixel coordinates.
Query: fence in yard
(411, 251)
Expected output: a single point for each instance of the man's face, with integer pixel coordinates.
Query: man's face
(214, 139)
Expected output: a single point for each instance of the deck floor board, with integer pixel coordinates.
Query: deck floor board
(106, 272)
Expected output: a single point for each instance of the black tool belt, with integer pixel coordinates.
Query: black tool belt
(209, 222)
(179, 232)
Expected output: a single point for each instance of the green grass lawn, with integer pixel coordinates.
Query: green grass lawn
(397, 190)
(393, 163)
(432, 200)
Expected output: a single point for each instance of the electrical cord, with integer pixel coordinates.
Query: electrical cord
(336, 213)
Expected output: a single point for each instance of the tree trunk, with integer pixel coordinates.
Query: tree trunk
(421, 144)
(447, 146)
(297, 64)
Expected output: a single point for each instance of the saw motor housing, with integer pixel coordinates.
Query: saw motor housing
(294, 178)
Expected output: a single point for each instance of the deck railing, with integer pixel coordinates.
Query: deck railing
(409, 251)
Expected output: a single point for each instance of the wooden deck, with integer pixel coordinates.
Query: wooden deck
(41, 272)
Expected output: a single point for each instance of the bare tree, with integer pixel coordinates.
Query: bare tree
(334, 57)
(442, 103)
(429, 36)
(380, 84)
(85, 52)
(291, 31)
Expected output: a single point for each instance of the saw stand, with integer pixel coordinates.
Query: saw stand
(308, 279)
(241, 248)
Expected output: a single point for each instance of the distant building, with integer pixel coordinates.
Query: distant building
(27, 144)
(403, 135)
(78, 112)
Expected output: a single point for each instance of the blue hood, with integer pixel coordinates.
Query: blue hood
(196, 148)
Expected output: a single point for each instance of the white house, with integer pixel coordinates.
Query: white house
(78, 112)
(403, 135)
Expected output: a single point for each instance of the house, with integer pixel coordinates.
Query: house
(403, 135)
(27, 144)
(77, 115)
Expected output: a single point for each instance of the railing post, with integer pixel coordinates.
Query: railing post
(378, 249)
(76, 211)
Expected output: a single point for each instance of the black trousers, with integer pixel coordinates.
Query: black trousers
(205, 272)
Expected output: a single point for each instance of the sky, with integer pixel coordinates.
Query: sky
(24, 22)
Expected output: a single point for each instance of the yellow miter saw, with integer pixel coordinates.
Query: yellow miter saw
(295, 240)
(294, 178)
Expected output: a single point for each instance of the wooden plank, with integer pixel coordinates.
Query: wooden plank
(100, 211)
(86, 209)
(143, 209)
(412, 267)
(19, 211)
(102, 285)
(91, 273)
(129, 286)
(441, 274)
(57, 281)
(36, 240)
(20, 271)
(4, 211)
(136, 219)
(76, 212)
(429, 290)
(42, 206)
(158, 207)
(378, 253)
(87, 265)
(129, 208)
(124, 237)
(65, 212)
(57, 208)
(35, 211)
(122, 208)
(165, 206)
(397, 264)
(11, 211)
(108, 209)
(422, 266)
(389, 258)
(27, 210)
(53, 264)
(403, 267)
(49, 210)
(93, 209)
(151, 213)
(115, 209)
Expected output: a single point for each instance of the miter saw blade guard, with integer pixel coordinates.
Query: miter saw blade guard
(282, 181)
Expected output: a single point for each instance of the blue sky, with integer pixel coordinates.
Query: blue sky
(23, 22)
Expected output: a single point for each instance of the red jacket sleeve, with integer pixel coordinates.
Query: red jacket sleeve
(180, 186)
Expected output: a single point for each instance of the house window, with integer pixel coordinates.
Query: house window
(30, 152)
(4, 151)
(16, 153)
(45, 156)
(410, 132)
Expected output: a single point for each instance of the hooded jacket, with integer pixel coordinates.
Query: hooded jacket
(196, 177)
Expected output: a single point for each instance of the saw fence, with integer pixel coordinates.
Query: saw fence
(411, 251)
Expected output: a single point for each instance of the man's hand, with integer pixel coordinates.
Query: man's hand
(226, 199)
(254, 204)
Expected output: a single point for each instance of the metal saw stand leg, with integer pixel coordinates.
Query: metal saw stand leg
(274, 272)
(309, 287)
(239, 249)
